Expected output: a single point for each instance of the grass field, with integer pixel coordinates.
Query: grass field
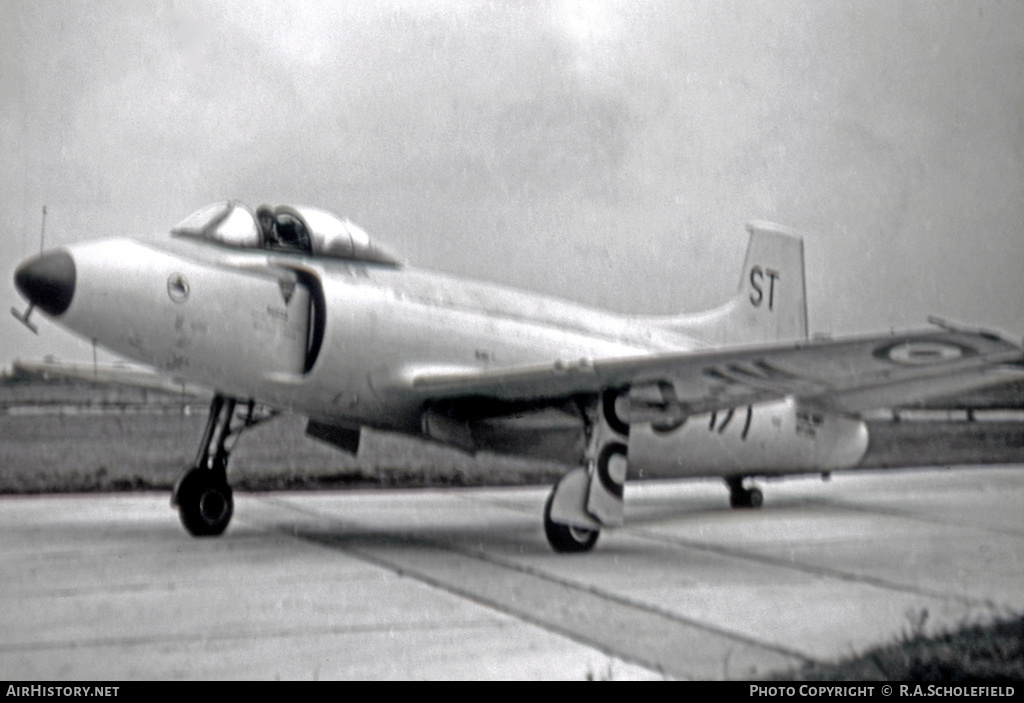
(80, 437)
(76, 437)
(982, 654)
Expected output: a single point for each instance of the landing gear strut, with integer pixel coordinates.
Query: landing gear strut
(202, 494)
(740, 497)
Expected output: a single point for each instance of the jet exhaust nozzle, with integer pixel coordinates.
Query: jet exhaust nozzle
(47, 281)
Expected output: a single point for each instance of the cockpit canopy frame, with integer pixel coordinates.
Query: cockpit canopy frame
(295, 229)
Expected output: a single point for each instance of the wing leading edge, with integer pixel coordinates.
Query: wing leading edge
(848, 376)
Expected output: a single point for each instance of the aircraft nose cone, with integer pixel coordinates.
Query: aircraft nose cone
(47, 281)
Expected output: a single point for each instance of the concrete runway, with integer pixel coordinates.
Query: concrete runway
(461, 583)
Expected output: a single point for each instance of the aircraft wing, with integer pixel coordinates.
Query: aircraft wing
(848, 376)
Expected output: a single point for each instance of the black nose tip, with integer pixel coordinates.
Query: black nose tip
(47, 281)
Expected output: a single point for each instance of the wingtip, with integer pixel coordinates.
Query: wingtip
(950, 326)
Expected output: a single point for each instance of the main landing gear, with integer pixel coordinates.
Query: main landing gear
(589, 498)
(202, 494)
(740, 497)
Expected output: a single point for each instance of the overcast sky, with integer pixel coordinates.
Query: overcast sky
(605, 152)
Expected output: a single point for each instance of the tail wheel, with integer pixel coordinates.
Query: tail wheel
(567, 539)
(205, 503)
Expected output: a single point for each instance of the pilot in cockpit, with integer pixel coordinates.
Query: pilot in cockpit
(282, 230)
(291, 232)
(268, 226)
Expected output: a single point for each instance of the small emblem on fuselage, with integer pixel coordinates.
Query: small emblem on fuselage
(177, 287)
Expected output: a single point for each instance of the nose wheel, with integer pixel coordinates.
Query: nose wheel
(205, 503)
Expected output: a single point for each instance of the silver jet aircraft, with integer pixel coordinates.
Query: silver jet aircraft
(295, 309)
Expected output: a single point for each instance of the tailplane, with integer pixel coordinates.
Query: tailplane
(771, 303)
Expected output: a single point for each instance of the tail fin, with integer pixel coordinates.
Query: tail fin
(771, 304)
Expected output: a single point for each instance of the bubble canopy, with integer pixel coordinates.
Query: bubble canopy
(297, 229)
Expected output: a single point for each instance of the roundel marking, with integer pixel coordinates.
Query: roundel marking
(919, 353)
(177, 287)
(616, 452)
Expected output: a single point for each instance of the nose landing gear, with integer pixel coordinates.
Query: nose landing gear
(201, 494)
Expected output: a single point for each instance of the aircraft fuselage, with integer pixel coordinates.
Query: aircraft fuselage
(341, 341)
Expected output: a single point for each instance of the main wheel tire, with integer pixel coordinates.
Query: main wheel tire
(754, 498)
(567, 539)
(205, 504)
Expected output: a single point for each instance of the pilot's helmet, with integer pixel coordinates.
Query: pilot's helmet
(264, 214)
(265, 218)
